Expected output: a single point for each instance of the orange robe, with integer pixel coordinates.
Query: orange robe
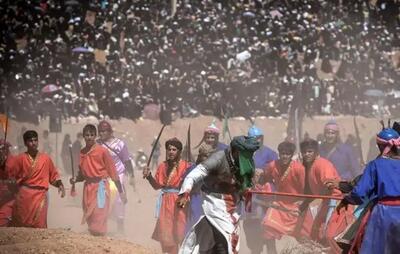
(96, 165)
(279, 222)
(6, 195)
(321, 171)
(33, 178)
(171, 222)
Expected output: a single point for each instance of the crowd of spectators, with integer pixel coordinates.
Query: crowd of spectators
(213, 57)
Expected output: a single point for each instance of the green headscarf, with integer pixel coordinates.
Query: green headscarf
(246, 146)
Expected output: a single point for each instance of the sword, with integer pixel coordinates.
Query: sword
(6, 127)
(155, 145)
(188, 147)
(72, 192)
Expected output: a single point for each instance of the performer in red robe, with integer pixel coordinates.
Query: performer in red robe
(7, 194)
(171, 222)
(34, 171)
(287, 176)
(327, 223)
(96, 166)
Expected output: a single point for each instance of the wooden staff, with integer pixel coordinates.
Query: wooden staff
(72, 192)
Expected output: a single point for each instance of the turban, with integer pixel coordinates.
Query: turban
(174, 142)
(104, 126)
(388, 138)
(254, 131)
(246, 146)
(331, 125)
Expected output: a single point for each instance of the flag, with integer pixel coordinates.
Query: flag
(3, 122)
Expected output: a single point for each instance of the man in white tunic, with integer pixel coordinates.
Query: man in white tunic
(226, 175)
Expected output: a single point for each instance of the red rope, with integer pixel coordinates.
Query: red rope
(284, 194)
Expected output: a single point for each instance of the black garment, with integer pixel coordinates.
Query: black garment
(221, 246)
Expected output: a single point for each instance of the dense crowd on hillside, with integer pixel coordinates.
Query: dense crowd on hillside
(242, 58)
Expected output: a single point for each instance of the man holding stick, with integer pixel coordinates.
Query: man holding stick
(95, 167)
(171, 221)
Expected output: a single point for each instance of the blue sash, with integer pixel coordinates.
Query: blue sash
(101, 194)
(159, 199)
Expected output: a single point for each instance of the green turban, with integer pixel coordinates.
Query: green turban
(246, 146)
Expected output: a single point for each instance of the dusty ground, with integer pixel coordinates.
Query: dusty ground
(26, 240)
(66, 213)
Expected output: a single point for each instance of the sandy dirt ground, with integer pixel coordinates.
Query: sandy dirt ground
(51, 241)
(67, 213)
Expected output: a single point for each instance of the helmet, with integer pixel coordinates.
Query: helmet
(212, 128)
(388, 134)
(254, 132)
(104, 126)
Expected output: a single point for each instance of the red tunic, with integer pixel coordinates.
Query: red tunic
(96, 165)
(33, 178)
(321, 171)
(6, 196)
(279, 222)
(170, 227)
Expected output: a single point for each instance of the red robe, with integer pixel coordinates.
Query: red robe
(278, 222)
(33, 178)
(170, 227)
(96, 165)
(6, 196)
(321, 171)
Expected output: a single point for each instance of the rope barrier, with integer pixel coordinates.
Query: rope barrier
(284, 194)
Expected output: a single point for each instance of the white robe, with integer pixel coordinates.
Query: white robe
(220, 210)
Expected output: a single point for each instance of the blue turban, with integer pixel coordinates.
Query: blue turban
(254, 131)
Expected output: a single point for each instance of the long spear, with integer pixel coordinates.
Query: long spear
(154, 146)
(73, 192)
(6, 128)
(188, 146)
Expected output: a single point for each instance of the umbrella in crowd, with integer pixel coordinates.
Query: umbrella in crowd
(374, 93)
(82, 50)
(50, 88)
